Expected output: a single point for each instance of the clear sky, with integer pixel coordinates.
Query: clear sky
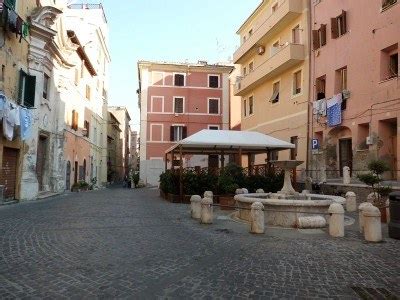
(168, 30)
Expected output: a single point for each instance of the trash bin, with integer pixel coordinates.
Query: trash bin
(394, 207)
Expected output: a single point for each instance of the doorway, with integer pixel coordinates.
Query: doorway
(345, 155)
(68, 176)
(41, 160)
(76, 172)
(8, 172)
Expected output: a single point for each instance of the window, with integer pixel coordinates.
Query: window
(274, 155)
(389, 62)
(251, 67)
(88, 92)
(275, 92)
(74, 123)
(388, 3)
(250, 32)
(213, 127)
(394, 65)
(213, 106)
(244, 71)
(27, 86)
(86, 129)
(297, 83)
(179, 79)
(320, 85)
(293, 152)
(178, 105)
(178, 133)
(251, 105)
(296, 35)
(46, 80)
(77, 77)
(319, 37)
(339, 25)
(341, 80)
(245, 107)
(213, 81)
(275, 48)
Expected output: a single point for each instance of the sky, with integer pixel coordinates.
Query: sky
(168, 30)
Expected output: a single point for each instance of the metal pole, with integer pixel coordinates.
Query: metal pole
(180, 174)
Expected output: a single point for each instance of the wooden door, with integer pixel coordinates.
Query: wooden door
(345, 155)
(68, 176)
(41, 160)
(76, 172)
(8, 174)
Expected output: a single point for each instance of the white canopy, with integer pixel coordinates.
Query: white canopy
(247, 141)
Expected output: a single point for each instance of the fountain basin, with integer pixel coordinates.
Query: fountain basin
(284, 211)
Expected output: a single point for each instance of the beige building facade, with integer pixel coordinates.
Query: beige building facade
(274, 64)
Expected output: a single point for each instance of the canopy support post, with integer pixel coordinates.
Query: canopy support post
(172, 160)
(222, 160)
(180, 174)
(166, 162)
(239, 159)
(249, 163)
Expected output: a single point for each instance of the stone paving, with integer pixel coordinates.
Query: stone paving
(120, 243)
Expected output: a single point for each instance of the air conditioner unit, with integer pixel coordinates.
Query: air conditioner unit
(261, 50)
(369, 140)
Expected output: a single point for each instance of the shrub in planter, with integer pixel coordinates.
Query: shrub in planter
(169, 182)
(135, 178)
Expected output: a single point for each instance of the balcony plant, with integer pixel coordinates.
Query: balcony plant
(374, 179)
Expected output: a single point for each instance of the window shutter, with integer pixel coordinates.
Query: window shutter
(30, 87)
(323, 35)
(344, 19)
(21, 86)
(184, 132)
(171, 133)
(315, 36)
(334, 28)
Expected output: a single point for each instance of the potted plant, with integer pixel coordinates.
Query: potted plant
(169, 184)
(374, 178)
(75, 187)
(83, 185)
(135, 179)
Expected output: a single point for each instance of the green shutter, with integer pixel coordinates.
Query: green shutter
(10, 4)
(21, 86)
(30, 86)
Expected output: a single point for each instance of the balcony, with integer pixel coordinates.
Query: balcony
(284, 59)
(288, 11)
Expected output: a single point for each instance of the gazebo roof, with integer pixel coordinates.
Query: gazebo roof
(211, 141)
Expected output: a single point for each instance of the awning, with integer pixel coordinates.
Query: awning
(211, 141)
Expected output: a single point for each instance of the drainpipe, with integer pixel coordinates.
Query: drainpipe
(310, 92)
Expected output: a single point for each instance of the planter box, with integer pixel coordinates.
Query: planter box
(173, 198)
(227, 202)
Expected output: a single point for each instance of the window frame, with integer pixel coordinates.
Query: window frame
(294, 81)
(183, 106)
(151, 104)
(215, 126)
(46, 86)
(208, 106)
(273, 91)
(208, 81)
(251, 106)
(244, 104)
(26, 89)
(299, 30)
(184, 79)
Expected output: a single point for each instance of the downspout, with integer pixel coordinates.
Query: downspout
(310, 92)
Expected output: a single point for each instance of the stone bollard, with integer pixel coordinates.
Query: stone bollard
(361, 209)
(372, 224)
(351, 201)
(257, 218)
(305, 192)
(195, 206)
(308, 183)
(372, 197)
(208, 194)
(346, 175)
(260, 191)
(245, 191)
(387, 211)
(206, 211)
(336, 220)
(239, 192)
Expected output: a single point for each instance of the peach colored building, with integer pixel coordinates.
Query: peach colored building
(273, 84)
(355, 59)
(177, 100)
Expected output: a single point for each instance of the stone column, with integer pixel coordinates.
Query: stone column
(336, 221)
(346, 175)
(260, 191)
(206, 211)
(351, 202)
(195, 206)
(257, 224)
(372, 224)
(361, 209)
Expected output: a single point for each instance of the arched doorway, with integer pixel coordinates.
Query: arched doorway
(341, 138)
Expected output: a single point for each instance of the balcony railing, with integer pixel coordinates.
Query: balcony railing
(286, 12)
(282, 60)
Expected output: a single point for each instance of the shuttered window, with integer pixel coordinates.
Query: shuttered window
(178, 133)
(75, 119)
(178, 105)
(26, 91)
(86, 128)
(319, 37)
(179, 80)
(213, 81)
(251, 105)
(297, 83)
(213, 106)
(339, 25)
(275, 92)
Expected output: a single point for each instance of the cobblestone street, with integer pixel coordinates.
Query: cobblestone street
(120, 243)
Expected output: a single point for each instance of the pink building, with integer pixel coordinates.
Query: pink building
(177, 100)
(355, 61)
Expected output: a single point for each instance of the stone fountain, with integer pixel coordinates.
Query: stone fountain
(287, 208)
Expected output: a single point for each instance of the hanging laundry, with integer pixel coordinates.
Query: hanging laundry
(334, 110)
(26, 123)
(9, 120)
(2, 104)
(18, 30)
(319, 107)
(12, 20)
